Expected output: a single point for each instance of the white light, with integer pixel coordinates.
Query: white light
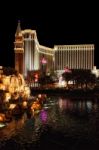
(2, 125)
(62, 83)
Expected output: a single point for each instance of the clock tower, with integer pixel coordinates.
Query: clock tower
(19, 49)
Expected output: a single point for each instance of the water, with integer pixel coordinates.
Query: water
(63, 124)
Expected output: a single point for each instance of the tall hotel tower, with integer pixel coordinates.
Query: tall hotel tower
(30, 55)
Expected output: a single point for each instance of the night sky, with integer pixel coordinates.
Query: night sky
(60, 23)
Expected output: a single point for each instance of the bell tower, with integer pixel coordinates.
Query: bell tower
(19, 49)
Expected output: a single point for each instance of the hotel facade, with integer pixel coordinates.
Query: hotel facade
(30, 55)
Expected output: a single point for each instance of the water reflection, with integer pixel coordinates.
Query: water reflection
(68, 124)
(65, 104)
(43, 116)
(80, 105)
(13, 127)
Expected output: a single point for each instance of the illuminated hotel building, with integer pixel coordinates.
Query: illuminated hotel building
(74, 56)
(29, 54)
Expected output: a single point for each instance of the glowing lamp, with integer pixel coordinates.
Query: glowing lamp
(12, 106)
(24, 104)
(43, 61)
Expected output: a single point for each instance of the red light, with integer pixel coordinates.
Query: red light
(43, 61)
(66, 69)
(36, 75)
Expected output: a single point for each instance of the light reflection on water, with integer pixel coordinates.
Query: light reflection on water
(68, 123)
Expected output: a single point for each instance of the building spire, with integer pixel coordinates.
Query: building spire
(18, 30)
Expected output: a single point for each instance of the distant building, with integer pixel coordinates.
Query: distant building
(74, 56)
(30, 55)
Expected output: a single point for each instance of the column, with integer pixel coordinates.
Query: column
(63, 59)
(68, 59)
(89, 59)
(78, 60)
(74, 59)
(71, 58)
(60, 59)
(81, 60)
(92, 57)
(84, 58)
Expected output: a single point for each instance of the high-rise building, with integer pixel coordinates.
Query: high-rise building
(30, 55)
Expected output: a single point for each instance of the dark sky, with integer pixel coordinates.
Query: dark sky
(60, 23)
